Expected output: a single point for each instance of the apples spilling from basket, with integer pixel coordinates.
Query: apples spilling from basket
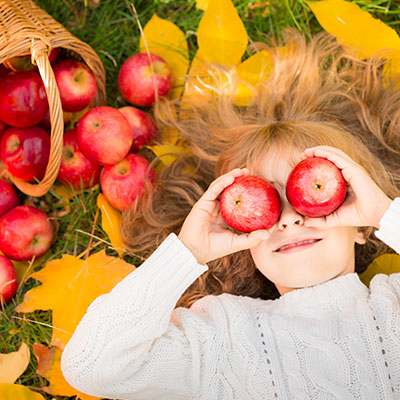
(102, 147)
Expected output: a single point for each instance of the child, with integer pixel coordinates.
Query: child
(286, 316)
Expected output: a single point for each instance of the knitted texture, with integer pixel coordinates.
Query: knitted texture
(335, 340)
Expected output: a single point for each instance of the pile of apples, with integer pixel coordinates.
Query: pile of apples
(102, 147)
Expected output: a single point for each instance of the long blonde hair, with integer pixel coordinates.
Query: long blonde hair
(316, 94)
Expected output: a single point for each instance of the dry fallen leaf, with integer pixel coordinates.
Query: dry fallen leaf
(384, 264)
(9, 391)
(354, 27)
(12, 365)
(111, 222)
(69, 286)
(168, 152)
(221, 35)
(49, 366)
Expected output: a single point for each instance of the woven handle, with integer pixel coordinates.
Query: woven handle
(39, 51)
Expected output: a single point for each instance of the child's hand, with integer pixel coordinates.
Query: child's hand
(206, 234)
(365, 202)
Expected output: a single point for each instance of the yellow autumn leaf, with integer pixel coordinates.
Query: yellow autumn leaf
(111, 222)
(49, 366)
(202, 4)
(68, 287)
(250, 72)
(9, 391)
(12, 365)
(354, 27)
(168, 153)
(166, 40)
(384, 264)
(256, 68)
(66, 193)
(221, 35)
(170, 135)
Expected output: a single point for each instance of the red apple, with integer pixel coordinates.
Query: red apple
(25, 152)
(136, 82)
(123, 182)
(315, 187)
(54, 54)
(25, 232)
(75, 169)
(76, 84)
(3, 71)
(143, 127)
(23, 100)
(3, 128)
(24, 63)
(8, 279)
(104, 135)
(250, 203)
(8, 197)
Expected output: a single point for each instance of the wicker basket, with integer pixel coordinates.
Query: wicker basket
(25, 29)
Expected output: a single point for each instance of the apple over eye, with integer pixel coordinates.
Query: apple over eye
(250, 203)
(315, 187)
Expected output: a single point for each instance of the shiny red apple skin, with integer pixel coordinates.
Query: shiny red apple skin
(3, 128)
(104, 135)
(23, 100)
(136, 82)
(8, 280)
(250, 203)
(315, 187)
(75, 169)
(122, 183)
(25, 152)
(76, 84)
(25, 231)
(143, 128)
(8, 197)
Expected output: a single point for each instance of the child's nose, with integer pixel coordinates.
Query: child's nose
(289, 216)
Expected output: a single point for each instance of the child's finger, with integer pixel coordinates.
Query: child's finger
(324, 151)
(217, 186)
(249, 240)
(349, 168)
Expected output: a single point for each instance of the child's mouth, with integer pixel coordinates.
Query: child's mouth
(298, 246)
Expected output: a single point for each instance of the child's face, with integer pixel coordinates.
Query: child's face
(330, 253)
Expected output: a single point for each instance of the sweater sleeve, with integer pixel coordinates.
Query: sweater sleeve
(389, 227)
(129, 345)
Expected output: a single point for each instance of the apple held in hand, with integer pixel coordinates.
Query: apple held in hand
(25, 232)
(250, 203)
(122, 183)
(137, 83)
(104, 135)
(25, 152)
(23, 100)
(8, 197)
(143, 128)
(76, 84)
(315, 187)
(75, 169)
(8, 279)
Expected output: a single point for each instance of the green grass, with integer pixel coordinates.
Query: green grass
(112, 31)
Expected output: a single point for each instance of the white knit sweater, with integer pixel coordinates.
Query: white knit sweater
(336, 340)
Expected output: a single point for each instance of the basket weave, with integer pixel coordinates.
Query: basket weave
(25, 29)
